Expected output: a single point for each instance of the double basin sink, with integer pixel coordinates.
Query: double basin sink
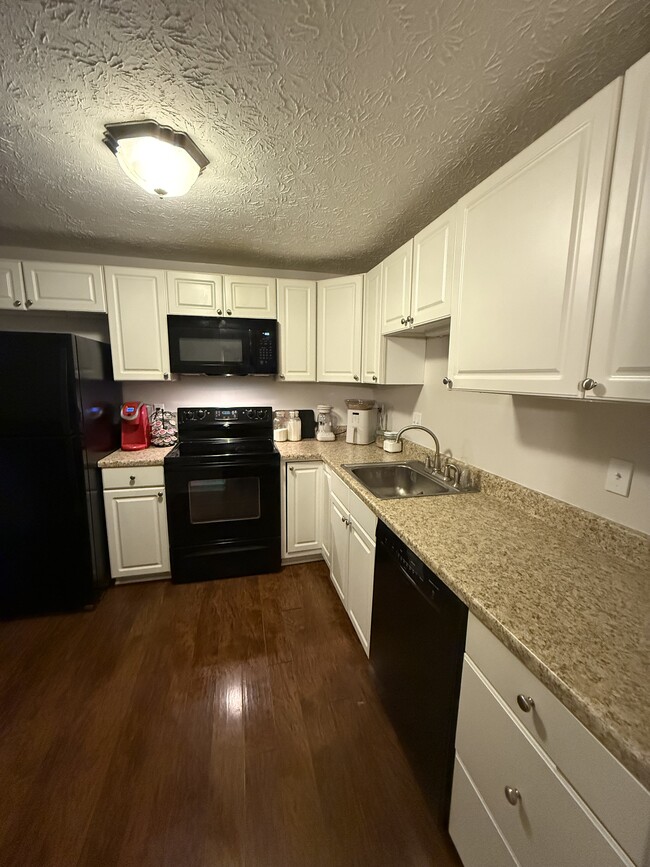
(400, 480)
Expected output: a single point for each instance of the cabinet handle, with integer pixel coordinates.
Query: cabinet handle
(229, 312)
(525, 702)
(132, 479)
(17, 303)
(588, 384)
(448, 382)
(513, 796)
(356, 378)
(28, 303)
(165, 376)
(219, 312)
(374, 379)
(160, 495)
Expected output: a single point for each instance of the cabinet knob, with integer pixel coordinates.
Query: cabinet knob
(229, 312)
(28, 303)
(160, 494)
(403, 321)
(165, 376)
(588, 384)
(525, 702)
(374, 379)
(219, 312)
(448, 382)
(513, 796)
(292, 469)
(17, 303)
(282, 376)
(409, 320)
(132, 479)
(356, 378)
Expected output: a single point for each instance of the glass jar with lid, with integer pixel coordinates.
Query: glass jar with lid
(325, 423)
(281, 425)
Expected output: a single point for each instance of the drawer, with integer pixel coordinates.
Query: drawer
(133, 477)
(364, 516)
(616, 797)
(476, 838)
(341, 490)
(549, 824)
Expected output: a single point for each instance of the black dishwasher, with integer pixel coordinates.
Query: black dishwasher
(416, 653)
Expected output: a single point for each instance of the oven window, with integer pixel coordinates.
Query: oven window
(215, 500)
(211, 350)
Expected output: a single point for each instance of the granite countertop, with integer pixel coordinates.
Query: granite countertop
(151, 457)
(567, 592)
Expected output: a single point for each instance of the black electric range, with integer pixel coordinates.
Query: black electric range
(222, 483)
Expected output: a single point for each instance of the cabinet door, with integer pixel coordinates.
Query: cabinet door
(11, 285)
(297, 326)
(303, 507)
(527, 261)
(192, 294)
(57, 286)
(340, 302)
(250, 297)
(370, 355)
(340, 546)
(433, 269)
(326, 519)
(136, 524)
(137, 321)
(361, 570)
(620, 349)
(396, 289)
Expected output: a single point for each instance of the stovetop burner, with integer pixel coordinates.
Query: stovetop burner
(217, 433)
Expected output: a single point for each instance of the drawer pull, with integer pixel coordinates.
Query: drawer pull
(513, 796)
(132, 479)
(525, 702)
(160, 495)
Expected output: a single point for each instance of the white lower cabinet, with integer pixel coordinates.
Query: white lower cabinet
(136, 523)
(533, 787)
(352, 556)
(304, 479)
(326, 525)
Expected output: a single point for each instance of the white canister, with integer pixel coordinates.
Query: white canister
(295, 427)
(280, 434)
(390, 442)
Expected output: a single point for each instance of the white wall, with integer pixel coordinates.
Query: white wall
(558, 447)
(245, 391)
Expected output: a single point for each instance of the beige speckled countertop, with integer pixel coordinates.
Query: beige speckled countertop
(151, 457)
(566, 591)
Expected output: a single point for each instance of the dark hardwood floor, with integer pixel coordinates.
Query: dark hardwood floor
(205, 725)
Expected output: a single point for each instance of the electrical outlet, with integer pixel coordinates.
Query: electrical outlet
(619, 477)
(417, 418)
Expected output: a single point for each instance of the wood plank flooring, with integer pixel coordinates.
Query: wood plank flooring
(226, 724)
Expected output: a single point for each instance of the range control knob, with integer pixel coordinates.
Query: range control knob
(188, 415)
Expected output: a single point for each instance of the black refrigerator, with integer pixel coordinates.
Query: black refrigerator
(59, 415)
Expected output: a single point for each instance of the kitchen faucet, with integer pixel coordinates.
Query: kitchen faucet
(435, 465)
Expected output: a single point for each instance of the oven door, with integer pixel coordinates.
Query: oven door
(224, 518)
(222, 346)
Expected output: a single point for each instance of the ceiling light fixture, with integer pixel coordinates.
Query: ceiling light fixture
(161, 160)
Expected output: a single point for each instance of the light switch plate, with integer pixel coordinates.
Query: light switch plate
(417, 418)
(619, 477)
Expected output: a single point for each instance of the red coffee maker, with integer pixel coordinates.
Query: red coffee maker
(136, 431)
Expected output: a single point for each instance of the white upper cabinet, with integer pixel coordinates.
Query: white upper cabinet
(396, 289)
(340, 303)
(297, 327)
(250, 297)
(59, 286)
(528, 248)
(433, 270)
(137, 321)
(619, 360)
(193, 294)
(387, 360)
(11, 285)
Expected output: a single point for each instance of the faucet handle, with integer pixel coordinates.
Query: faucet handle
(449, 466)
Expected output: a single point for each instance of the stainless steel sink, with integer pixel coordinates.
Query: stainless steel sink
(399, 480)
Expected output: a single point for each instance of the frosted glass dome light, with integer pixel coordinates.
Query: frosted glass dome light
(162, 161)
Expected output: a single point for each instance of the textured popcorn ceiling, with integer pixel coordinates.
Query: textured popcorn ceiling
(335, 129)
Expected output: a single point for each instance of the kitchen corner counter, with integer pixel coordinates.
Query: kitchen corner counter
(151, 457)
(570, 605)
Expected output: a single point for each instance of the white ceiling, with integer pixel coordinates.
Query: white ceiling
(336, 129)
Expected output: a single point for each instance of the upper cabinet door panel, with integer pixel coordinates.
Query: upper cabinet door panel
(340, 303)
(59, 286)
(11, 285)
(251, 297)
(529, 239)
(620, 349)
(371, 351)
(396, 288)
(433, 267)
(193, 294)
(297, 325)
(137, 321)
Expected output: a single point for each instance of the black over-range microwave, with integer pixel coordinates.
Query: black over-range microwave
(235, 347)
